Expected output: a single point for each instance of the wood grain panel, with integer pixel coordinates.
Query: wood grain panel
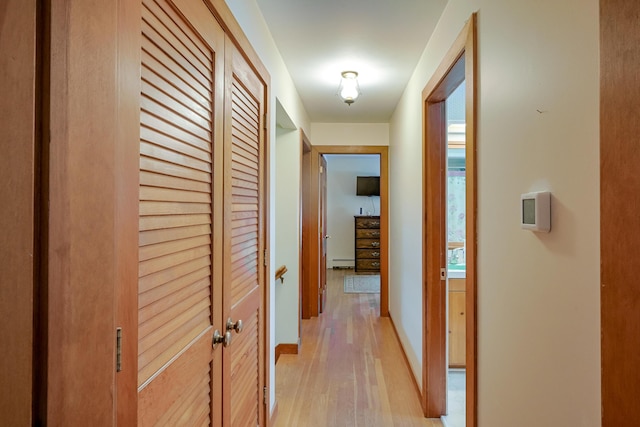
(164, 40)
(168, 96)
(243, 141)
(155, 397)
(159, 306)
(176, 221)
(166, 312)
(173, 208)
(174, 287)
(18, 187)
(174, 38)
(244, 242)
(457, 329)
(170, 194)
(244, 367)
(184, 122)
(167, 142)
(127, 184)
(165, 335)
(161, 125)
(167, 262)
(173, 64)
(619, 206)
(157, 357)
(244, 166)
(176, 89)
(160, 249)
(168, 221)
(91, 85)
(156, 180)
(188, 406)
(153, 280)
(172, 20)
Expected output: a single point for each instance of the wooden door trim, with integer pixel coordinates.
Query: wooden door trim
(305, 147)
(383, 152)
(619, 225)
(458, 64)
(19, 216)
(252, 61)
(306, 261)
(90, 204)
(127, 179)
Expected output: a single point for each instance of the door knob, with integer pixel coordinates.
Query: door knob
(234, 326)
(218, 338)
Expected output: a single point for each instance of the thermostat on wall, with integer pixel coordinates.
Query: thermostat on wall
(535, 211)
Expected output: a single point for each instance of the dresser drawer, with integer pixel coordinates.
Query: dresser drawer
(367, 264)
(367, 243)
(364, 222)
(367, 233)
(367, 253)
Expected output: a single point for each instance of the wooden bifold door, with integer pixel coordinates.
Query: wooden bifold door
(202, 229)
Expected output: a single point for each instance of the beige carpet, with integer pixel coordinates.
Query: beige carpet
(365, 284)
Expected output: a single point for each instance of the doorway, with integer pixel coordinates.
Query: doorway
(353, 207)
(312, 242)
(456, 248)
(457, 67)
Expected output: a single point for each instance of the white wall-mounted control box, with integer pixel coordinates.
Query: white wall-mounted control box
(535, 211)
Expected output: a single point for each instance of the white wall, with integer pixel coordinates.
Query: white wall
(287, 185)
(538, 302)
(349, 133)
(343, 204)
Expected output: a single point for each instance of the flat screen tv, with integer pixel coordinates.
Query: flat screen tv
(368, 186)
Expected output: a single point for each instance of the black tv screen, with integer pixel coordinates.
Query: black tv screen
(368, 186)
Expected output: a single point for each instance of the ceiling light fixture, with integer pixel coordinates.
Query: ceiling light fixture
(349, 89)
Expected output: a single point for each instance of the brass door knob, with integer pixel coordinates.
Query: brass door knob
(234, 326)
(218, 338)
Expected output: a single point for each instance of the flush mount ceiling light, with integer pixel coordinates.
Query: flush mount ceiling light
(349, 89)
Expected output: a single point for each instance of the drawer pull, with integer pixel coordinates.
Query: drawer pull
(375, 244)
(375, 253)
(374, 233)
(375, 223)
(375, 264)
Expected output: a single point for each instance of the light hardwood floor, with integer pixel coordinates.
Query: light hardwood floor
(350, 370)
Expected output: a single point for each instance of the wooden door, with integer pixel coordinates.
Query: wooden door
(323, 234)
(180, 267)
(244, 242)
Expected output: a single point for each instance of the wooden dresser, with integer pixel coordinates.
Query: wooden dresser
(367, 243)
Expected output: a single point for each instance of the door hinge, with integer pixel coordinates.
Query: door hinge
(265, 257)
(264, 395)
(264, 121)
(443, 274)
(118, 349)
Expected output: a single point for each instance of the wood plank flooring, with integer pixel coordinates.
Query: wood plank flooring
(350, 371)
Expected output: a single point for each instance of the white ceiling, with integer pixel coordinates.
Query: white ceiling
(380, 39)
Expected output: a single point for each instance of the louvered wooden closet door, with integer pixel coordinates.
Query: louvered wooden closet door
(182, 62)
(244, 242)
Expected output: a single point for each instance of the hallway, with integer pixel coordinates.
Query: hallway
(350, 370)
